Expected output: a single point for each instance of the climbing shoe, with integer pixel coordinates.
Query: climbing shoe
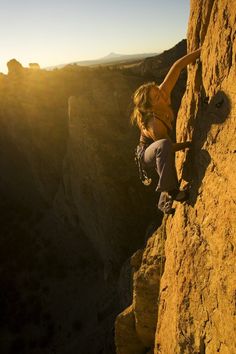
(165, 203)
(167, 198)
(179, 195)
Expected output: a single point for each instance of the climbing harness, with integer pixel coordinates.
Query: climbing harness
(139, 151)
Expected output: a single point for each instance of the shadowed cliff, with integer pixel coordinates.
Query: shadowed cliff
(72, 206)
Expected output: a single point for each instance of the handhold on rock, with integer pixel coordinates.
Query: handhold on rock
(219, 107)
(219, 104)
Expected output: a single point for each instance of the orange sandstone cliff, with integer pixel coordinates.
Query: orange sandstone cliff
(184, 279)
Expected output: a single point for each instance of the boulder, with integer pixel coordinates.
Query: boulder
(14, 67)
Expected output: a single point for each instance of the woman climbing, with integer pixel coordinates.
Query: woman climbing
(154, 116)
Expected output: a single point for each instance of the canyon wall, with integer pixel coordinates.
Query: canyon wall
(70, 199)
(100, 175)
(195, 298)
(99, 172)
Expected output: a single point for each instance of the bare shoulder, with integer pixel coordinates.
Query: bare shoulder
(165, 93)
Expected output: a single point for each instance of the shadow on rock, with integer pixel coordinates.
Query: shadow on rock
(213, 111)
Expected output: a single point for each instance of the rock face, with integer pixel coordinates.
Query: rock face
(196, 311)
(136, 326)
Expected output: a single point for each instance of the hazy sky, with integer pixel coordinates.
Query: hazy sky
(54, 32)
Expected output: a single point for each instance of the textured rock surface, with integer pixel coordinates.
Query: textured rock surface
(140, 318)
(197, 291)
(146, 288)
(127, 340)
(198, 287)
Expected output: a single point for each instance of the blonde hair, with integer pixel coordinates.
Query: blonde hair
(142, 105)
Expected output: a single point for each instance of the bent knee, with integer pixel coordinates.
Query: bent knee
(165, 144)
(164, 148)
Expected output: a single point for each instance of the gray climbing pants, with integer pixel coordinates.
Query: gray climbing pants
(160, 155)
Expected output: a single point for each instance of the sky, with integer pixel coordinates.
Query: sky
(53, 32)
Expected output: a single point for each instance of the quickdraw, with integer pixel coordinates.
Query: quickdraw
(139, 151)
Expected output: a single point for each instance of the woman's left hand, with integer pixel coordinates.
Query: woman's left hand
(188, 144)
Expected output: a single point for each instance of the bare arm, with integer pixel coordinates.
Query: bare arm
(173, 74)
(181, 146)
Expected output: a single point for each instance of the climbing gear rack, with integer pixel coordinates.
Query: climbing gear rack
(139, 151)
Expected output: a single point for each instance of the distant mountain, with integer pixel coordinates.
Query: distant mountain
(111, 58)
(113, 55)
